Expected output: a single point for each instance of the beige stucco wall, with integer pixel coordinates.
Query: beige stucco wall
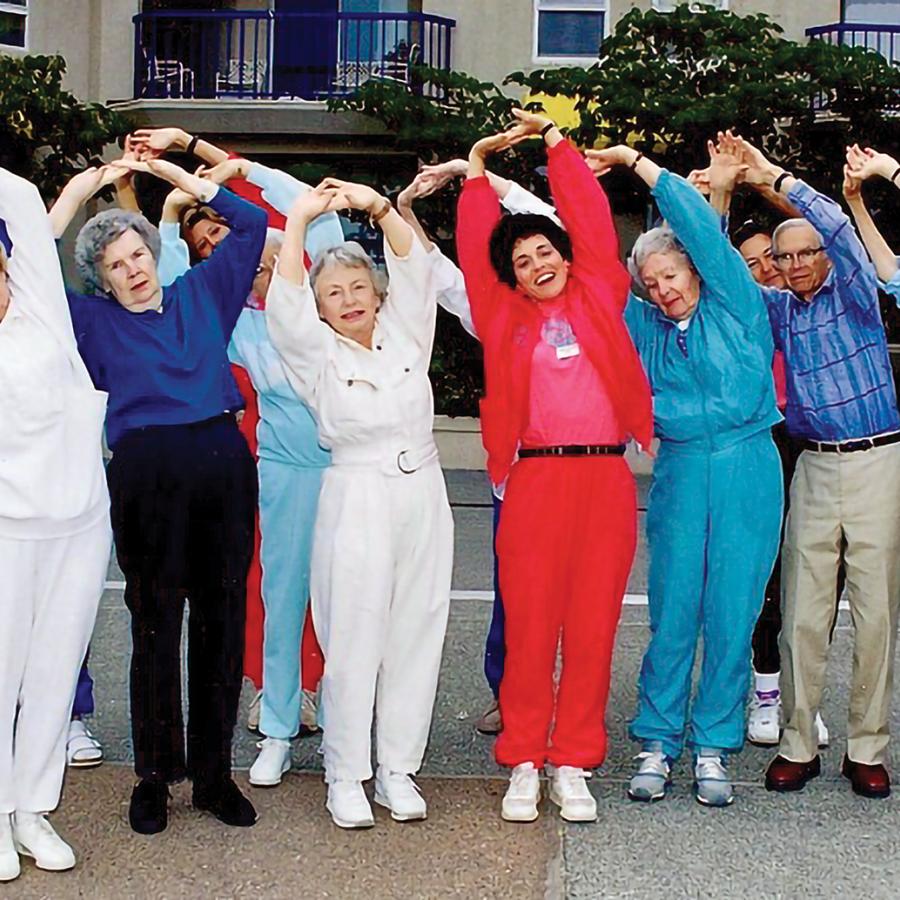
(96, 37)
(495, 38)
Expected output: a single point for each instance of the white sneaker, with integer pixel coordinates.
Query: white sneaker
(570, 793)
(9, 858)
(822, 737)
(83, 750)
(273, 761)
(348, 805)
(253, 713)
(521, 798)
(712, 783)
(400, 794)
(34, 836)
(764, 720)
(652, 777)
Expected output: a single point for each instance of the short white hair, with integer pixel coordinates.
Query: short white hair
(351, 255)
(657, 240)
(790, 225)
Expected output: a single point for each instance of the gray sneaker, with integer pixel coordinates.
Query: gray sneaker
(712, 783)
(652, 777)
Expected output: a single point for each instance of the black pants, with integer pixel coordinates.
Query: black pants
(183, 502)
(766, 658)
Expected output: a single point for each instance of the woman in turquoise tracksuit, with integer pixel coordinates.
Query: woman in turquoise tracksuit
(291, 463)
(715, 502)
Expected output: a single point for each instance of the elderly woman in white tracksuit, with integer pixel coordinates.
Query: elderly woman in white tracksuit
(382, 552)
(55, 534)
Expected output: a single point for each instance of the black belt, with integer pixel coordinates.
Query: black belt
(852, 446)
(574, 450)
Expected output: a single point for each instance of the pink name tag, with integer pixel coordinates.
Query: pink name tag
(568, 351)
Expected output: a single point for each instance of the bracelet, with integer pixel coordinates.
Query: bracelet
(893, 178)
(637, 159)
(548, 127)
(375, 218)
(192, 145)
(780, 180)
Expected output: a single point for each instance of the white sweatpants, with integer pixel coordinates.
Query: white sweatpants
(380, 586)
(49, 594)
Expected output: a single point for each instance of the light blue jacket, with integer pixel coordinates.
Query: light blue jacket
(712, 385)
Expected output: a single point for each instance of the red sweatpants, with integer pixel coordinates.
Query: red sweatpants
(566, 544)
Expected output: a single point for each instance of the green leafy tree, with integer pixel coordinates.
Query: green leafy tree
(47, 134)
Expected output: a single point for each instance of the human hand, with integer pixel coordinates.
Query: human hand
(699, 178)
(866, 163)
(151, 143)
(494, 143)
(350, 195)
(85, 184)
(852, 186)
(311, 204)
(760, 170)
(421, 186)
(531, 122)
(225, 170)
(601, 161)
(726, 163)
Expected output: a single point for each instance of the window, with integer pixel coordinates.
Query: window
(568, 30)
(13, 23)
(669, 5)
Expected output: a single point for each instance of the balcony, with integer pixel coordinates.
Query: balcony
(270, 55)
(883, 39)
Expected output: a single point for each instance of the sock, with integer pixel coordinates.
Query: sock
(765, 682)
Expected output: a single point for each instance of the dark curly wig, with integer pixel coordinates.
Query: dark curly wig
(522, 225)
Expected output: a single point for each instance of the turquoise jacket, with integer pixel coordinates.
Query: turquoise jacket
(712, 384)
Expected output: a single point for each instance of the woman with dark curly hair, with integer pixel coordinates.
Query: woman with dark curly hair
(565, 390)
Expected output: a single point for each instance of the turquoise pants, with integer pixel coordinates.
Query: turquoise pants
(288, 498)
(713, 526)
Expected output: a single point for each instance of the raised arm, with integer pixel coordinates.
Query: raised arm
(298, 334)
(859, 166)
(151, 143)
(174, 256)
(78, 190)
(35, 279)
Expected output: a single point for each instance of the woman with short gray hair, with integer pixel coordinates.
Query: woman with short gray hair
(714, 513)
(182, 481)
(383, 546)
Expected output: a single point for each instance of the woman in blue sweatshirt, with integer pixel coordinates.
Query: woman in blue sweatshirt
(182, 481)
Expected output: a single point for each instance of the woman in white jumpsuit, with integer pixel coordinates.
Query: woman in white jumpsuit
(54, 527)
(383, 546)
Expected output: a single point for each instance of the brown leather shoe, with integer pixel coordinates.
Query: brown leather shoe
(867, 781)
(784, 775)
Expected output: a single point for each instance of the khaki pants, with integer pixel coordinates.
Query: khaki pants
(857, 496)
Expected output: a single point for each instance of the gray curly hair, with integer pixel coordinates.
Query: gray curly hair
(657, 240)
(352, 255)
(99, 232)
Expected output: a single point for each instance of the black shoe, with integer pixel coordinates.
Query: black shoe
(149, 809)
(225, 801)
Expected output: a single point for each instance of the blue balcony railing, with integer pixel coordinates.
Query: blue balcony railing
(883, 39)
(266, 54)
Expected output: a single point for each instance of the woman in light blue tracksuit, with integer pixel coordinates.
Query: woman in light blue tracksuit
(715, 502)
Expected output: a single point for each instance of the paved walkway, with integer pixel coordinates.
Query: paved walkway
(822, 843)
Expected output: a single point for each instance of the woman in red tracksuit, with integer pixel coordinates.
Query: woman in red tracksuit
(565, 390)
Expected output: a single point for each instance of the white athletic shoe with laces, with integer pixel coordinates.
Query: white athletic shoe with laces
(569, 791)
(764, 720)
(348, 805)
(273, 761)
(400, 794)
(34, 836)
(712, 783)
(521, 798)
(652, 776)
(9, 857)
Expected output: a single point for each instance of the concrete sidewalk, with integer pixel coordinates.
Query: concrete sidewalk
(822, 843)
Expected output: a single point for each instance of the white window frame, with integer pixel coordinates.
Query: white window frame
(664, 5)
(16, 9)
(539, 7)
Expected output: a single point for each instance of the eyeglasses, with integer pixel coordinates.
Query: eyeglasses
(805, 257)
